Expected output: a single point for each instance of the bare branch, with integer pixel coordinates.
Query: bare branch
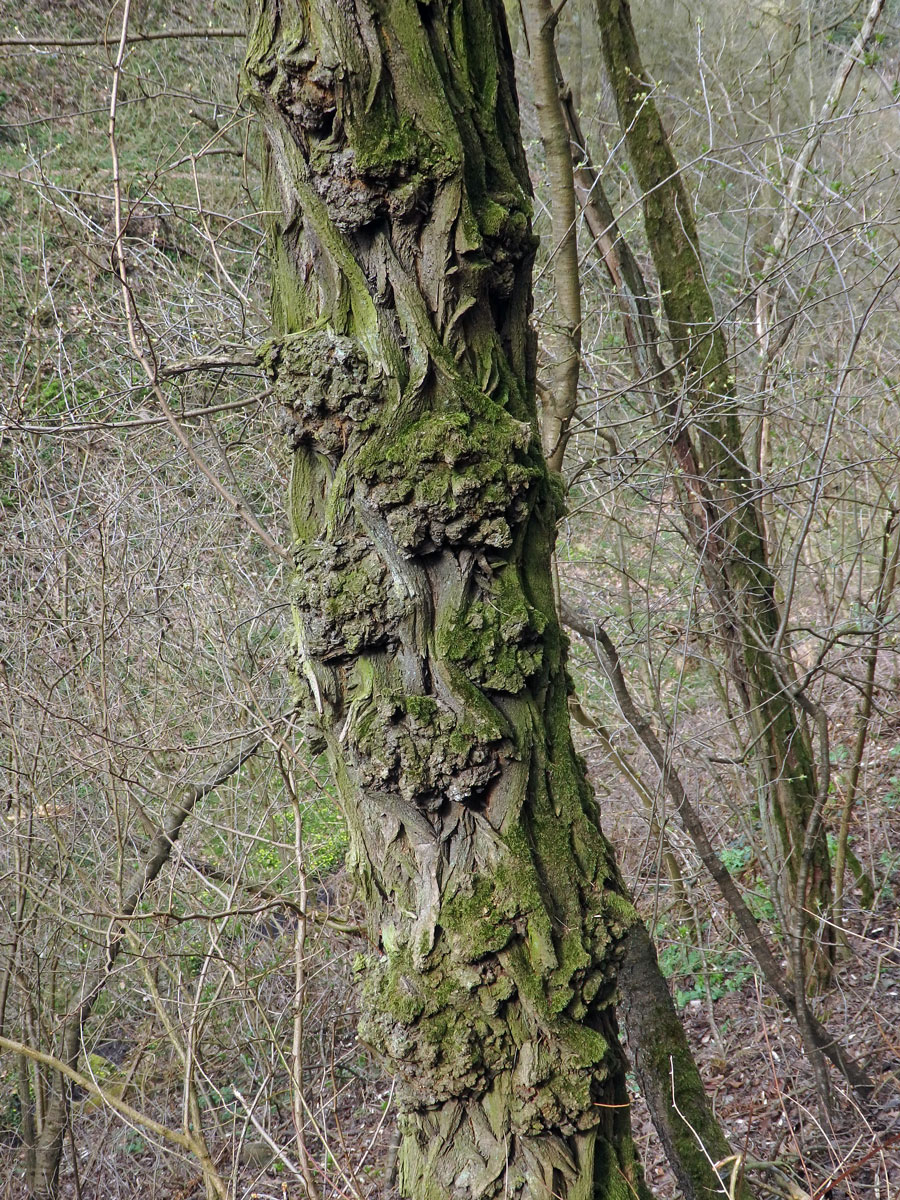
(156, 36)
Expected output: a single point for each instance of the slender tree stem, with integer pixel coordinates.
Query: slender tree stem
(887, 577)
(819, 1040)
(560, 403)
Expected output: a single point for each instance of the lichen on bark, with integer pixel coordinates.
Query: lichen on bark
(427, 651)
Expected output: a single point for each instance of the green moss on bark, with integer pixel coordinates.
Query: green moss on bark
(496, 640)
(454, 476)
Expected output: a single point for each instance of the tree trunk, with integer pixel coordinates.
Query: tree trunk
(732, 547)
(696, 1147)
(427, 646)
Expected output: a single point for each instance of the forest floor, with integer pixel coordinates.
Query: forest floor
(748, 1050)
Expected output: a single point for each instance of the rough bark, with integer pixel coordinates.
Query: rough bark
(428, 651)
(733, 550)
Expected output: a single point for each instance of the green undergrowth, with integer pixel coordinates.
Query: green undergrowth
(708, 973)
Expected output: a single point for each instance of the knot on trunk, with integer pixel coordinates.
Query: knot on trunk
(454, 478)
(347, 599)
(327, 385)
(418, 747)
(496, 639)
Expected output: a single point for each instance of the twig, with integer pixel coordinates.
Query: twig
(296, 1061)
(824, 1189)
(736, 1161)
(138, 422)
(815, 1035)
(887, 577)
(147, 359)
(157, 36)
(273, 1146)
(89, 1085)
(211, 362)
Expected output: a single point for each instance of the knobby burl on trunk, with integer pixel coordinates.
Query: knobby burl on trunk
(428, 651)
